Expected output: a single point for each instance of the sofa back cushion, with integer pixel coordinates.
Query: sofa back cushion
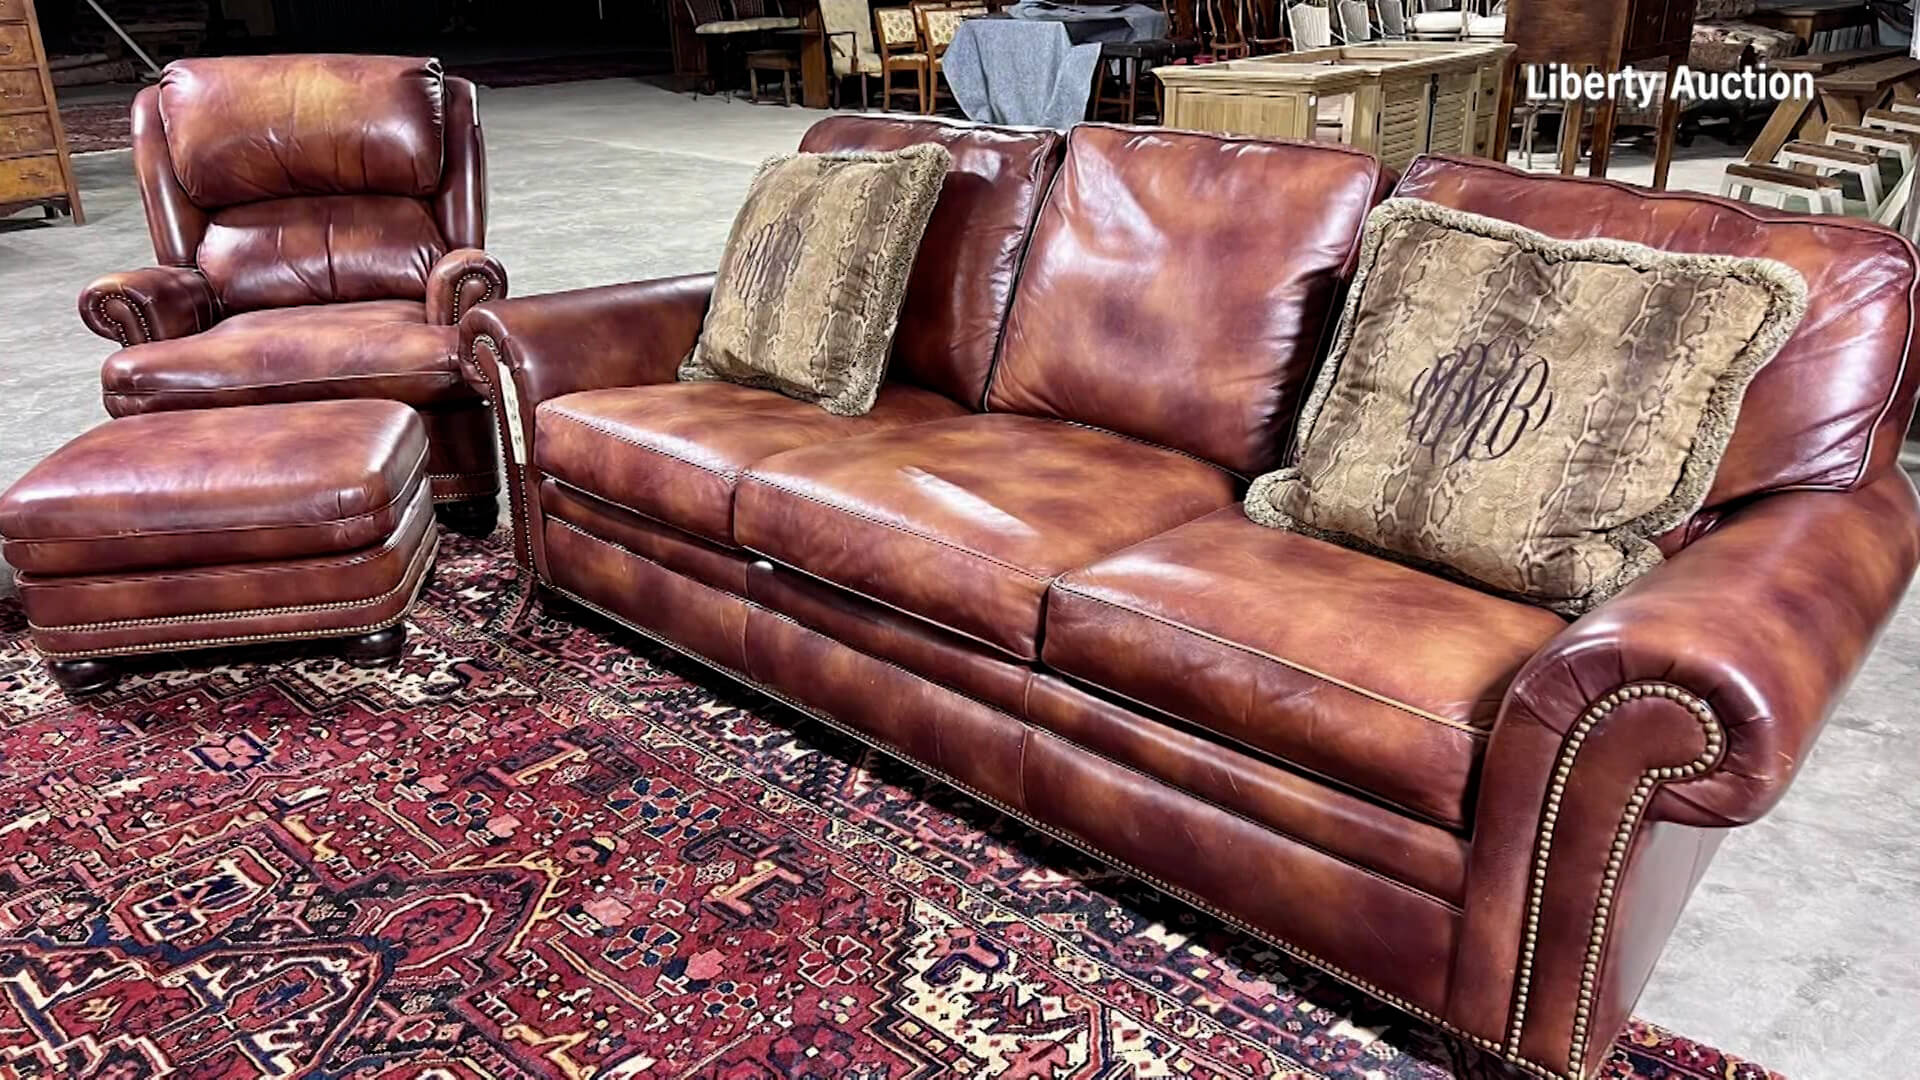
(1833, 404)
(1178, 287)
(247, 128)
(970, 254)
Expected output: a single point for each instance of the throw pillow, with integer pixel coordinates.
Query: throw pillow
(815, 270)
(1521, 412)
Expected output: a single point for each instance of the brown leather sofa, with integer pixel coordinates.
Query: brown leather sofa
(1026, 570)
(318, 222)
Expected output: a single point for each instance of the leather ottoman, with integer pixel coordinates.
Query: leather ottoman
(217, 527)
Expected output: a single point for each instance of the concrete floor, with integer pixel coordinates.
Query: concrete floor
(1801, 949)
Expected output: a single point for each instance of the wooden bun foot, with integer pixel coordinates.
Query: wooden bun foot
(378, 649)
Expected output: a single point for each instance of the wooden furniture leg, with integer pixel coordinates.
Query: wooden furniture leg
(1503, 112)
(1663, 142)
(1570, 121)
(1603, 137)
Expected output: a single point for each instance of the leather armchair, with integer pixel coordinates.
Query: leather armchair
(320, 224)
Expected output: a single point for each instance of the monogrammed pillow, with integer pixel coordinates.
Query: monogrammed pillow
(810, 287)
(1521, 412)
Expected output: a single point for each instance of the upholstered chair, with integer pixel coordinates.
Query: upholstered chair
(318, 223)
(848, 26)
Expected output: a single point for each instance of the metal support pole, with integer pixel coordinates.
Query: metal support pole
(131, 44)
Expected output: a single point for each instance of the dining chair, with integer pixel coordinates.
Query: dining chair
(1355, 25)
(1491, 26)
(847, 27)
(1437, 20)
(1312, 26)
(1393, 19)
(938, 24)
(897, 31)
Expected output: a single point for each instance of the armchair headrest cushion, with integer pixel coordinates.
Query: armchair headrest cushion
(244, 129)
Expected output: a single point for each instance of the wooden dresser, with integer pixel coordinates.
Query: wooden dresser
(34, 169)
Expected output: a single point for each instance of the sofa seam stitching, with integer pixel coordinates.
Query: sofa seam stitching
(1372, 695)
(870, 519)
(550, 409)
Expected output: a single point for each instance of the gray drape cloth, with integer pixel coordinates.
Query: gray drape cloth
(1037, 67)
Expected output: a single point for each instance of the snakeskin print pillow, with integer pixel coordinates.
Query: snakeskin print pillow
(1525, 413)
(810, 287)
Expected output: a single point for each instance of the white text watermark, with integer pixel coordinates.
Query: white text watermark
(1642, 89)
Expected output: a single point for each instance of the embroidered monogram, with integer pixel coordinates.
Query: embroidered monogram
(1480, 400)
(767, 260)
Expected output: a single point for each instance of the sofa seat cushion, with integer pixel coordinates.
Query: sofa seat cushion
(964, 522)
(374, 349)
(674, 451)
(1369, 673)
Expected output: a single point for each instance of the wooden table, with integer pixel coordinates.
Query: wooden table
(1395, 100)
(1820, 17)
(1845, 86)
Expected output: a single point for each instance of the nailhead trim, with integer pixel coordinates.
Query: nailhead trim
(1616, 857)
(119, 328)
(428, 549)
(461, 283)
(517, 510)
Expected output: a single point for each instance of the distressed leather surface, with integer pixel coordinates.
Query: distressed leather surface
(350, 592)
(970, 254)
(1838, 395)
(203, 487)
(462, 280)
(631, 334)
(174, 223)
(1378, 676)
(154, 303)
(1179, 287)
(683, 553)
(948, 659)
(377, 349)
(460, 206)
(1338, 911)
(241, 129)
(675, 451)
(964, 522)
(320, 250)
(1364, 833)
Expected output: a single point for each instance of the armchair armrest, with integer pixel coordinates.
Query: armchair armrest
(151, 304)
(522, 352)
(1629, 743)
(462, 280)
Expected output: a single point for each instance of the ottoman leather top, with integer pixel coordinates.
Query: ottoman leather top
(214, 486)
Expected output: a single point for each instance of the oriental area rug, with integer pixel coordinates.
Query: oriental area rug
(542, 847)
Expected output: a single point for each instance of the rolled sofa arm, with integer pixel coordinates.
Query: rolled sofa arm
(151, 304)
(1765, 620)
(1629, 743)
(522, 352)
(462, 280)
